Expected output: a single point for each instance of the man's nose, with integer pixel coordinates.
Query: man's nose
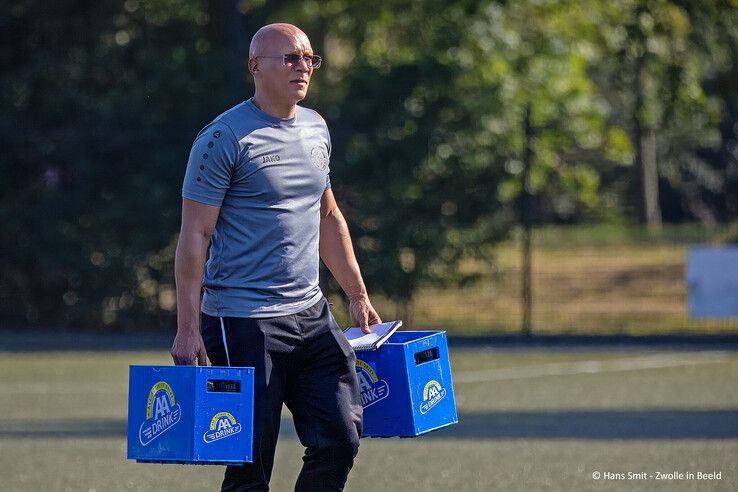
(303, 65)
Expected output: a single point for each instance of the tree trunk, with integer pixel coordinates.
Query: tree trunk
(527, 222)
(650, 178)
(646, 164)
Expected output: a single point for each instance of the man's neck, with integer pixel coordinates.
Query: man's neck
(273, 108)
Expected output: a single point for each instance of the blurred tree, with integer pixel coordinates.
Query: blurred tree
(706, 179)
(531, 58)
(527, 82)
(101, 100)
(655, 56)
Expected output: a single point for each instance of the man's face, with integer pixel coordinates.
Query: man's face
(284, 81)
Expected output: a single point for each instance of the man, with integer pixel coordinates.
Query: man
(257, 190)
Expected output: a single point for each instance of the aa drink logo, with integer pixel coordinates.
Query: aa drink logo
(372, 388)
(222, 425)
(432, 394)
(162, 412)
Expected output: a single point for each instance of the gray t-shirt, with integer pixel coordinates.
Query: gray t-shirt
(267, 174)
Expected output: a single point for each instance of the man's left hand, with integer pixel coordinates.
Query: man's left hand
(363, 313)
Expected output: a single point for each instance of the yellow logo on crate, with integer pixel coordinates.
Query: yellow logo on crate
(222, 425)
(432, 394)
(161, 385)
(371, 388)
(162, 412)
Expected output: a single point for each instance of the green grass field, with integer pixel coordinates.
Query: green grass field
(530, 419)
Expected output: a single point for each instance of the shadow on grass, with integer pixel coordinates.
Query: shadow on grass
(85, 429)
(595, 424)
(662, 424)
(62, 428)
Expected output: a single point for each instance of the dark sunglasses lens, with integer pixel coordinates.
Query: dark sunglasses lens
(292, 59)
(310, 60)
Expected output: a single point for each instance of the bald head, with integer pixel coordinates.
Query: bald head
(274, 35)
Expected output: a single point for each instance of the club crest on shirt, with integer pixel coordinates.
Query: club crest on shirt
(319, 157)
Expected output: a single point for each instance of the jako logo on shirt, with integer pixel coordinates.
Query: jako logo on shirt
(432, 394)
(270, 158)
(162, 413)
(372, 388)
(222, 425)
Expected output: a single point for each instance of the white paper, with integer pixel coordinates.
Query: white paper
(358, 338)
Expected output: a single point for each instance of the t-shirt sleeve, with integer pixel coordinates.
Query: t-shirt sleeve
(212, 160)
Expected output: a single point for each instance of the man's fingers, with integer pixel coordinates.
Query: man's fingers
(202, 357)
(361, 317)
(374, 318)
(188, 350)
(365, 321)
(184, 360)
(364, 315)
(175, 357)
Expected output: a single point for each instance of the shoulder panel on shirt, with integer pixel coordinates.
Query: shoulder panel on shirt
(214, 155)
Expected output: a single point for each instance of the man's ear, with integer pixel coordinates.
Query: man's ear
(253, 65)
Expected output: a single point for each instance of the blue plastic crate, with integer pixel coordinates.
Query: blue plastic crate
(406, 386)
(190, 414)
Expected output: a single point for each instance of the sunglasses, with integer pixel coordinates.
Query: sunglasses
(292, 59)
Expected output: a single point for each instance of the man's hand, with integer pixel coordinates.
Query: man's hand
(188, 349)
(363, 313)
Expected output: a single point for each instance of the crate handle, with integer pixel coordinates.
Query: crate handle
(426, 355)
(224, 386)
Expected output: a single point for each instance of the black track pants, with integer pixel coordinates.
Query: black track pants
(304, 361)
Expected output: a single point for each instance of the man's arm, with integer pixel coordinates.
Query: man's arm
(198, 223)
(337, 253)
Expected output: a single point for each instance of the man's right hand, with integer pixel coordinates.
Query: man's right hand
(188, 349)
